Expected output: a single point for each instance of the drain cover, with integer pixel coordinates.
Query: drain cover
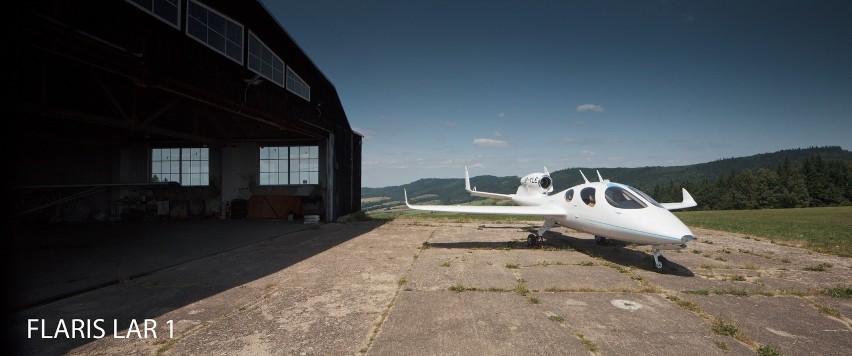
(626, 304)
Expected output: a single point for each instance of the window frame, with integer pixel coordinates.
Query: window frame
(297, 81)
(206, 23)
(297, 167)
(156, 15)
(182, 165)
(259, 71)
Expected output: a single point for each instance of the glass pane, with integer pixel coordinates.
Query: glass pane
(204, 179)
(314, 177)
(234, 51)
(282, 178)
(273, 166)
(304, 178)
(216, 41)
(314, 152)
(278, 77)
(313, 165)
(264, 165)
(175, 153)
(156, 154)
(294, 177)
(264, 179)
(234, 33)
(205, 167)
(194, 167)
(216, 23)
(294, 165)
(254, 47)
(195, 179)
(264, 152)
(185, 167)
(185, 179)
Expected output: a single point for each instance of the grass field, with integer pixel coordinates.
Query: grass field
(826, 230)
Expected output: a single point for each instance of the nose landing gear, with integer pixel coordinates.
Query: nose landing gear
(659, 260)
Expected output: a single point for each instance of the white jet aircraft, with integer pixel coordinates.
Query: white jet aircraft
(604, 209)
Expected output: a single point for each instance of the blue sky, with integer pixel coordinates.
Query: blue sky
(507, 87)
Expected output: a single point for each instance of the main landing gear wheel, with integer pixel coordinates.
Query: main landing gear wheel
(532, 240)
(600, 240)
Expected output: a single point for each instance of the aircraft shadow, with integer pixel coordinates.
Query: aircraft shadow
(613, 251)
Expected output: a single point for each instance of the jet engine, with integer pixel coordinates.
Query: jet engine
(536, 184)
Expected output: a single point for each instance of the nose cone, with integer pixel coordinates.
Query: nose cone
(667, 227)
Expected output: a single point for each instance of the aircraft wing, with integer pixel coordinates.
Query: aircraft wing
(542, 210)
(687, 202)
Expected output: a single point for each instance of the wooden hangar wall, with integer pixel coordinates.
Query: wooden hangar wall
(205, 107)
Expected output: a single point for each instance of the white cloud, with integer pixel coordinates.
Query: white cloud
(497, 134)
(587, 153)
(451, 124)
(487, 142)
(501, 115)
(590, 107)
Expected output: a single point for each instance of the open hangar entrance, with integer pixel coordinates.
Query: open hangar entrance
(205, 110)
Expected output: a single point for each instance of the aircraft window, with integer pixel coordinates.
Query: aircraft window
(588, 196)
(569, 195)
(623, 198)
(646, 196)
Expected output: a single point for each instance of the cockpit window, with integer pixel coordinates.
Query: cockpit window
(646, 196)
(623, 198)
(588, 196)
(569, 195)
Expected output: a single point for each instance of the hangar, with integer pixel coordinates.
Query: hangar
(154, 109)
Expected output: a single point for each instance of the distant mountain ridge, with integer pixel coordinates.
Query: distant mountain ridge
(451, 191)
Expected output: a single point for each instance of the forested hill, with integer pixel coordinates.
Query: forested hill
(816, 176)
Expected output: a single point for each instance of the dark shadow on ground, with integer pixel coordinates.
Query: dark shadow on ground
(201, 259)
(613, 251)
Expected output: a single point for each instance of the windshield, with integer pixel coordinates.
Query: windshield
(623, 198)
(646, 196)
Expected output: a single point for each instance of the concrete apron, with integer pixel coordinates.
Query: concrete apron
(449, 287)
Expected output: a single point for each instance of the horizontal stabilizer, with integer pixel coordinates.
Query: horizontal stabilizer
(687, 202)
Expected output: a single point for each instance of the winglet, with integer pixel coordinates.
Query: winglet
(688, 202)
(584, 177)
(545, 171)
(405, 193)
(600, 179)
(467, 180)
